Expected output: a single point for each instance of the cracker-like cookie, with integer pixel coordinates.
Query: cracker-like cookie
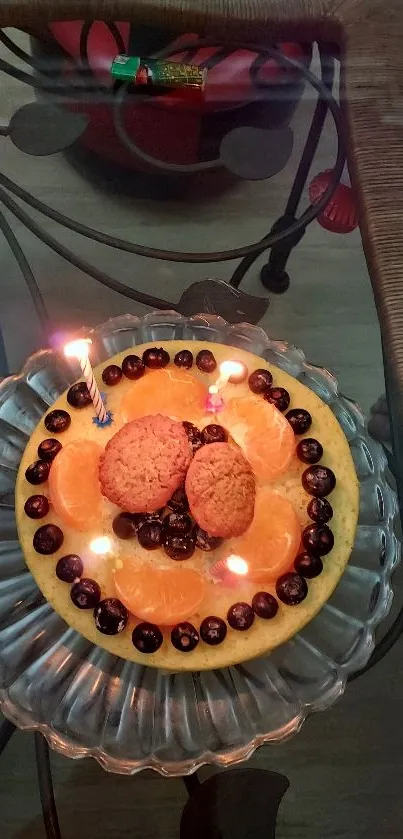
(220, 487)
(144, 463)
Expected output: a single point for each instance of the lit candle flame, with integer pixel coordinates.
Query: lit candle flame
(101, 545)
(235, 371)
(227, 570)
(78, 349)
(237, 565)
(231, 370)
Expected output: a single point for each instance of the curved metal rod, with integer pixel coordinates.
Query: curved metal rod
(26, 272)
(81, 264)
(45, 783)
(311, 145)
(136, 151)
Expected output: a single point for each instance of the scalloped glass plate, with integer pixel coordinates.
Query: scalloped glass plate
(89, 703)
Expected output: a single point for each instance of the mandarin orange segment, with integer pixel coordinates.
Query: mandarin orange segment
(160, 595)
(271, 543)
(265, 436)
(74, 487)
(170, 392)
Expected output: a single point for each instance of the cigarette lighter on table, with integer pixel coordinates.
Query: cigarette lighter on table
(153, 72)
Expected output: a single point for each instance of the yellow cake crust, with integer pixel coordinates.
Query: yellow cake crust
(263, 636)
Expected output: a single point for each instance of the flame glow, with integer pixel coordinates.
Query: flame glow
(77, 349)
(100, 545)
(233, 369)
(237, 565)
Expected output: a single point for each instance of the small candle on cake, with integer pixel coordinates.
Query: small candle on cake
(229, 371)
(79, 349)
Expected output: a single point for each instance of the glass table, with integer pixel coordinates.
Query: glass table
(186, 200)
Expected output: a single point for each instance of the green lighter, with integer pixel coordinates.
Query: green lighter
(150, 71)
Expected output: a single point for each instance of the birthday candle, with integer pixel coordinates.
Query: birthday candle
(79, 349)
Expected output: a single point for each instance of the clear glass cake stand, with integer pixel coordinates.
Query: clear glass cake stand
(87, 702)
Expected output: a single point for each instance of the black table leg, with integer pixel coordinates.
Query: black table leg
(237, 804)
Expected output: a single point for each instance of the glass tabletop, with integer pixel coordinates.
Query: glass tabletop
(202, 211)
(96, 171)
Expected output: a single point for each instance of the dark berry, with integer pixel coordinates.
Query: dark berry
(318, 539)
(112, 375)
(184, 358)
(318, 481)
(205, 361)
(309, 450)
(308, 565)
(147, 637)
(57, 421)
(299, 419)
(69, 568)
(150, 535)
(111, 616)
(205, 542)
(78, 396)
(133, 367)
(48, 539)
(179, 547)
(213, 630)
(48, 449)
(125, 525)
(279, 397)
(85, 594)
(193, 435)
(214, 434)
(291, 588)
(178, 523)
(185, 637)
(264, 605)
(156, 357)
(320, 510)
(38, 472)
(143, 518)
(240, 616)
(179, 501)
(36, 506)
(260, 381)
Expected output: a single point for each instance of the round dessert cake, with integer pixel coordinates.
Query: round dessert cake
(193, 530)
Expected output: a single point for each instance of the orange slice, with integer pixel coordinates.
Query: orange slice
(171, 392)
(74, 485)
(160, 595)
(271, 543)
(265, 436)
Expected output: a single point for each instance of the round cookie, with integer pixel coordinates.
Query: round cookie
(220, 487)
(144, 463)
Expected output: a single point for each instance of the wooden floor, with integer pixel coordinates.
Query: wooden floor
(346, 765)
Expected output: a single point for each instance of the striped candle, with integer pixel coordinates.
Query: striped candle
(80, 349)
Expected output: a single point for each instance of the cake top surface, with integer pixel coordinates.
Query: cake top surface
(133, 553)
